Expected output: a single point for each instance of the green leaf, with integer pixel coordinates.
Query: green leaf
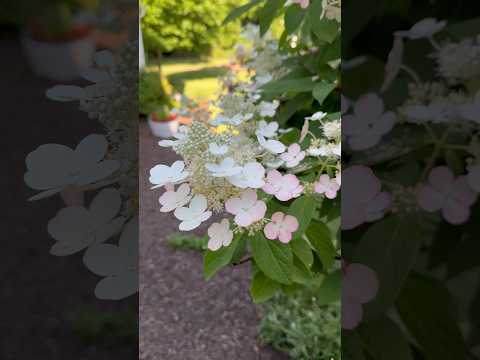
(273, 258)
(293, 18)
(268, 13)
(302, 250)
(331, 288)
(326, 30)
(320, 237)
(263, 288)
(303, 209)
(213, 261)
(384, 340)
(239, 11)
(427, 310)
(390, 248)
(322, 90)
(300, 273)
(292, 106)
(352, 346)
(305, 84)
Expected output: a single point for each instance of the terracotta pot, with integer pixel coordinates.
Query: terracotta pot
(59, 59)
(164, 129)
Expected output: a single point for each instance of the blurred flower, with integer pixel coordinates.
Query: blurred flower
(118, 264)
(471, 110)
(52, 167)
(283, 187)
(267, 130)
(273, 146)
(268, 109)
(303, 3)
(247, 208)
(76, 228)
(359, 286)
(220, 235)
(281, 227)
(362, 198)
(317, 116)
(161, 175)
(216, 149)
(453, 196)
(193, 215)
(368, 124)
(225, 169)
(293, 156)
(423, 29)
(394, 63)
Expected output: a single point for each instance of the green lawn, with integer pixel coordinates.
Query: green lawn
(197, 79)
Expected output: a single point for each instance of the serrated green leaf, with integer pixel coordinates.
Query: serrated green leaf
(427, 310)
(241, 10)
(263, 288)
(302, 250)
(390, 248)
(320, 237)
(213, 261)
(303, 209)
(384, 340)
(331, 288)
(293, 18)
(268, 13)
(322, 90)
(305, 84)
(273, 258)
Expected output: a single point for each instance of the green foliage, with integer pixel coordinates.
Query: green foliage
(106, 329)
(213, 261)
(301, 327)
(188, 26)
(182, 241)
(150, 93)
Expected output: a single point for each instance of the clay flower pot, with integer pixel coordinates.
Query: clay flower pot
(164, 128)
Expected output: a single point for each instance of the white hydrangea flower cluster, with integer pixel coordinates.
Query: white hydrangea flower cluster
(237, 160)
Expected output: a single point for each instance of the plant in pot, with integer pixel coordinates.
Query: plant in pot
(57, 36)
(163, 122)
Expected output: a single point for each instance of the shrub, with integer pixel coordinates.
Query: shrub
(188, 25)
(151, 93)
(301, 327)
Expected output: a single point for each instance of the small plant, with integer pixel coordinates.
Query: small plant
(105, 329)
(151, 93)
(300, 326)
(181, 241)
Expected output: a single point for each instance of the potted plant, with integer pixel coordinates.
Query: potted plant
(57, 37)
(163, 122)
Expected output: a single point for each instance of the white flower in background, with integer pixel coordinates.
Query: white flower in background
(76, 228)
(216, 149)
(193, 215)
(293, 156)
(52, 167)
(161, 175)
(117, 264)
(268, 109)
(453, 196)
(180, 135)
(328, 187)
(303, 3)
(436, 112)
(252, 176)
(317, 116)
(247, 208)
(263, 79)
(219, 235)
(473, 177)
(171, 199)
(368, 124)
(362, 198)
(471, 110)
(225, 169)
(326, 150)
(267, 130)
(236, 120)
(332, 129)
(273, 146)
(345, 104)
(425, 28)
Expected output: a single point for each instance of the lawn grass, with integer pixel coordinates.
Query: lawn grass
(198, 79)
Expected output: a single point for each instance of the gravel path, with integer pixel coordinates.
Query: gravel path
(182, 317)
